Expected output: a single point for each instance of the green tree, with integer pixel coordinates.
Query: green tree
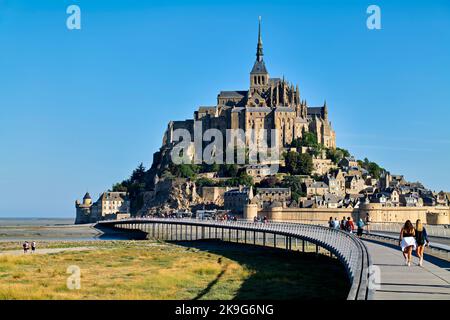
(205, 182)
(270, 182)
(305, 165)
(345, 152)
(119, 187)
(299, 163)
(309, 139)
(185, 170)
(230, 170)
(245, 179)
(138, 174)
(291, 161)
(335, 155)
(373, 168)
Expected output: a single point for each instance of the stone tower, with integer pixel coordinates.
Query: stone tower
(259, 77)
(83, 209)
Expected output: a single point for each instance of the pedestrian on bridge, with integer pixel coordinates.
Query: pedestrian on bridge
(336, 223)
(421, 239)
(360, 225)
(343, 224)
(368, 221)
(408, 241)
(331, 223)
(349, 225)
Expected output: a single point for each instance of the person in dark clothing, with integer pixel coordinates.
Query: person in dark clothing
(421, 239)
(25, 247)
(343, 223)
(360, 225)
(331, 223)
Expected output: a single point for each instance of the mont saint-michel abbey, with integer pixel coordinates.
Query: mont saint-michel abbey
(269, 103)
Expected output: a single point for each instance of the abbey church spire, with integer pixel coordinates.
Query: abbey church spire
(259, 48)
(259, 77)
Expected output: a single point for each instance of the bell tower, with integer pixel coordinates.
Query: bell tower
(259, 77)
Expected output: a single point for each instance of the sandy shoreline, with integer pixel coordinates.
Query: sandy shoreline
(48, 232)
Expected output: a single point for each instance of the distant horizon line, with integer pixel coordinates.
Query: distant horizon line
(35, 217)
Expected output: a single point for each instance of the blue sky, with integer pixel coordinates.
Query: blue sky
(80, 109)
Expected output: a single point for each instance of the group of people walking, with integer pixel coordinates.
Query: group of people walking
(347, 224)
(413, 238)
(259, 219)
(27, 246)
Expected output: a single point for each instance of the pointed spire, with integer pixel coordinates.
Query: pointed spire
(325, 110)
(259, 48)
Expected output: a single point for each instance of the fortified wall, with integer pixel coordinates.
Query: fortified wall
(377, 213)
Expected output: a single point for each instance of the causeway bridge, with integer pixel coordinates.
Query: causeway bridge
(375, 267)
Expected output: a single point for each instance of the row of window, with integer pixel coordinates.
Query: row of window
(259, 80)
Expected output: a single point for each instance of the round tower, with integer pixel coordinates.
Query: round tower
(87, 200)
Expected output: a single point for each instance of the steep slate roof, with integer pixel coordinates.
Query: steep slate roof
(316, 111)
(284, 109)
(317, 184)
(258, 109)
(237, 109)
(293, 204)
(331, 198)
(113, 196)
(276, 204)
(276, 190)
(274, 80)
(206, 108)
(307, 203)
(232, 94)
(259, 67)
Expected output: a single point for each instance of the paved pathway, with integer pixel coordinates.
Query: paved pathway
(44, 251)
(445, 242)
(400, 282)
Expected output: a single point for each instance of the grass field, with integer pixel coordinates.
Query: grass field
(154, 270)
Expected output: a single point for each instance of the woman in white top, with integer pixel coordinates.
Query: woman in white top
(408, 241)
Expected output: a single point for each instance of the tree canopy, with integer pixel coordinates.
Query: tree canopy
(298, 163)
(373, 168)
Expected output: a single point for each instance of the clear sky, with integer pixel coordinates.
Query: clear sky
(80, 109)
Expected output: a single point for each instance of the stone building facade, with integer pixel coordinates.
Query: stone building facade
(236, 199)
(112, 205)
(269, 103)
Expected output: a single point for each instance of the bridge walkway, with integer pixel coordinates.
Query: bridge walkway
(400, 282)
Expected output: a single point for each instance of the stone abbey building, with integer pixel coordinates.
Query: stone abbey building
(269, 103)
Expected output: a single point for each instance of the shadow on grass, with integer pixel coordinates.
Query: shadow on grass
(210, 285)
(278, 274)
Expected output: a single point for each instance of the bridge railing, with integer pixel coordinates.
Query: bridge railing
(442, 231)
(346, 247)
